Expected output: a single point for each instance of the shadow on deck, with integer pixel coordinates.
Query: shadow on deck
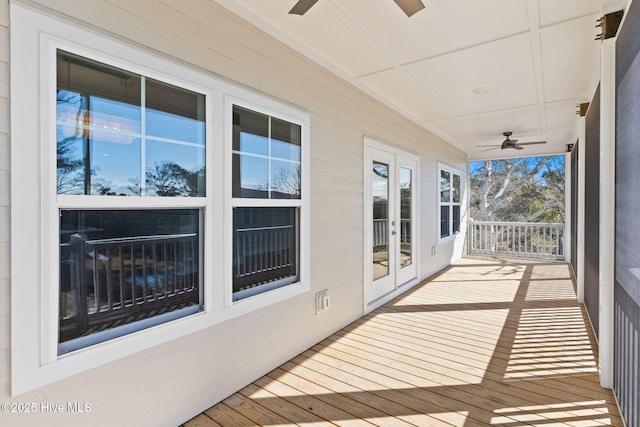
(488, 341)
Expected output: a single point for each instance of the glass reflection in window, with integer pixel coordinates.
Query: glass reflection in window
(445, 186)
(406, 245)
(456, 188)
(266, 244)
(101, 136)
(380, 192)
(266, 156)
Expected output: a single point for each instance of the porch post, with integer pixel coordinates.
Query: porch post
(580, 208)
(607, 210)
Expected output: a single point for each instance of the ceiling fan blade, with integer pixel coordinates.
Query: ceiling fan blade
(489, 149)
(518, 147)
(533, 143)
(492, 145)
(302, 6)
(410, 7)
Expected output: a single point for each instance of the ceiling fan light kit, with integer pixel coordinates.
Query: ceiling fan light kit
(409, 7)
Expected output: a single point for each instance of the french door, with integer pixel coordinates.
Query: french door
(390, 221)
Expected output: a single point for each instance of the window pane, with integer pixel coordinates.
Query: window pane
(250, 131)
(115, 168)
(285, 180)
(445, 186)
(444, 221)
(380, 191)
(267, 156)
(285, 140)
(174, 169)
(174, 113)
(70, 160)
(406, 245)
(250, 176)
(456, 188)
(118, 268)
(456, 218)
(97, 116)
(101, 136)
(265, 249)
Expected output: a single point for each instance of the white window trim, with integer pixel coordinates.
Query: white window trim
(453, 171)
(34, 229)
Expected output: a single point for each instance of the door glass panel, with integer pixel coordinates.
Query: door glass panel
(405, 217)
(380, 192)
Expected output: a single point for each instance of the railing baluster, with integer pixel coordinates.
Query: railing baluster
(96, 282)
(109, 290)
(156, 278)
(121, 276)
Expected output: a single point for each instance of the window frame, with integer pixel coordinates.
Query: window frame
(452, 171)
(35, 38)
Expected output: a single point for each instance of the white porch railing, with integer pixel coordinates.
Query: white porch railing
(519, 239)
(380, 232)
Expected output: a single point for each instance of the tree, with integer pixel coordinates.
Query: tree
(70, 167)
(171, 179)
(518, 190)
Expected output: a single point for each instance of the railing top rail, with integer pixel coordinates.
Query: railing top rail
(275, 227)
(137, 239)
(526, 224)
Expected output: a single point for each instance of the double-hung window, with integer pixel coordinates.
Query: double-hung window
(449, 202)
(267, 197)
(128, 264)
(149, 200)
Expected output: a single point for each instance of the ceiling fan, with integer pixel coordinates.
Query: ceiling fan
(510, 143)
(409, 7)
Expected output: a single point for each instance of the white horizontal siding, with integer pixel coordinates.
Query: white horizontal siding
(5, 295)
(209, 365)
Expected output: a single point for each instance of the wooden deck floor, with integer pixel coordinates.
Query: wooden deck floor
(487, 342)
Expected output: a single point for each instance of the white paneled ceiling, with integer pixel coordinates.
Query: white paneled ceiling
(467, 70)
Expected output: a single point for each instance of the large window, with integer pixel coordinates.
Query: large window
(449, 202)
(267, 197)
(120, 133)
(161, 200)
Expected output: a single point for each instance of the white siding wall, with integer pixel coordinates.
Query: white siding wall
(5, 310)
(207, 366)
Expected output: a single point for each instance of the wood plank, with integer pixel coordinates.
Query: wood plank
(201, 421)
(227, 416)
(473, 346)
(257, 413)
(281, 405)
(326, 408)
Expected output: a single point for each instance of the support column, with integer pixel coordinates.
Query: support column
(607, 210)
(581, 207)
(568, 206)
